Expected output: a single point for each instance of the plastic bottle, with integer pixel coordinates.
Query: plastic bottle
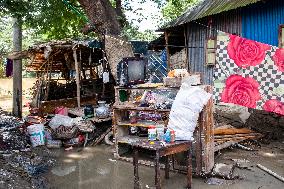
(168, 136)
(173, 136)
(160, 132)
(152, 133)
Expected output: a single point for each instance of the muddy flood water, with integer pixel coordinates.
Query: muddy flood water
(95, 168)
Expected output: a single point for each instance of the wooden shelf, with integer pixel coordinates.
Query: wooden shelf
(128, 139)
(139, 124)
(150, 87)
(128, 107)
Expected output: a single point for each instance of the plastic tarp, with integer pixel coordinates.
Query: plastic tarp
(186, 107)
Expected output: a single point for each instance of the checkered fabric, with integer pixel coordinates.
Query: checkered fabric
(266, 74)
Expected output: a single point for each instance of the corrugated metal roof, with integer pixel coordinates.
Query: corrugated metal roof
(208, 7)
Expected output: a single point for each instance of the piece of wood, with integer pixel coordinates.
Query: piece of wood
(47, 107)
(135, 163)
(189, 167)
(236, 135)
(157, 171)
(208, 135)
(198, 143)
(18, 55)
(168, 51)
(232, 131)
(270, 172)
(77, 77)
(167, 168)
(237, 138)
(99, 139)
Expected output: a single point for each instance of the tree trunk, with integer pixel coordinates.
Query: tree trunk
(102, 15)
(17, 68)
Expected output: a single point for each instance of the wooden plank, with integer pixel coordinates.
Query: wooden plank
(236, 135)
(47, 107)
(208, 148)
(198, 144)
(99, 139)
(231, 131)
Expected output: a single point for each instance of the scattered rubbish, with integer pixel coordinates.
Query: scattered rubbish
(219, 181)
(214, 181)
(223, 170)
(69, 148)
(243, 164)
(112, 160)
(270, 172)
(244, 147)
(63, 171)
(21, 165)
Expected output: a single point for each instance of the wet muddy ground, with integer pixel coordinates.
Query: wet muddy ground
(95, 168)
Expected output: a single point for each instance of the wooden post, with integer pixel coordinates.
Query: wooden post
(77, 76)
(186, 48)
(17, 68)
(168, 50)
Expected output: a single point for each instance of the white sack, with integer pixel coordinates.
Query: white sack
(58, 120)
(184, 114)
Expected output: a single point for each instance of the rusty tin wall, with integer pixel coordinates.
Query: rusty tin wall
(199, 31)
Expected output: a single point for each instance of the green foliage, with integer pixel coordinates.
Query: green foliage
(50, 18)
(174, 8)
(5, 35)
(132, 33)
(2, 69)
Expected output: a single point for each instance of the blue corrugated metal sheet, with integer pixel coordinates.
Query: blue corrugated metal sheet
(207, 8)
(260, 21)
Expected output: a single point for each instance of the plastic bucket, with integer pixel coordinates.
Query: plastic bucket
(36, 133)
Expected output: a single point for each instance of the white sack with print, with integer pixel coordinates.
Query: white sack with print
(184, 114)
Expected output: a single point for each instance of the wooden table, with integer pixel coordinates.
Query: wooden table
(162, 149)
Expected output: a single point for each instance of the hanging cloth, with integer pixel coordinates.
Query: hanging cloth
(9, 67)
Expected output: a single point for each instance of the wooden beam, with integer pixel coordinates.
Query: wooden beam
(231, 131)
(17, 68)
(77, 76)
(18, 55)
(168, 50)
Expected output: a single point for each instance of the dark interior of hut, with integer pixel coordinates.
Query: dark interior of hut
(56, 73)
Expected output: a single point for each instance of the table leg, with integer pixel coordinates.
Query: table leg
(167, 168)
(189, 167)
(135, 163)
(86, 139)
(157, 171)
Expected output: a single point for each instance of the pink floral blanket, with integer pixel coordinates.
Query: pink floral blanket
(249, 73)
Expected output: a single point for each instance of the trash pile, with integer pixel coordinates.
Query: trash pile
(20, 165)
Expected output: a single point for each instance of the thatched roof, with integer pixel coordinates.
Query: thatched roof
(58, 55)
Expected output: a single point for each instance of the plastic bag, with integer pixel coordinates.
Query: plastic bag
(58, 120)
(185, 111)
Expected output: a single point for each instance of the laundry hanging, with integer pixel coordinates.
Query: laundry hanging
(249, 73)
(9, 67)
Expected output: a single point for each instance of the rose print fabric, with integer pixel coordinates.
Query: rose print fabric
(249, 73)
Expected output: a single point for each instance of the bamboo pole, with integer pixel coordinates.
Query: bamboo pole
(270, 172)
(77, 77)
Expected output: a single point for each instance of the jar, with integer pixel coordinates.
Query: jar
(102, 111)
(89, 111)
